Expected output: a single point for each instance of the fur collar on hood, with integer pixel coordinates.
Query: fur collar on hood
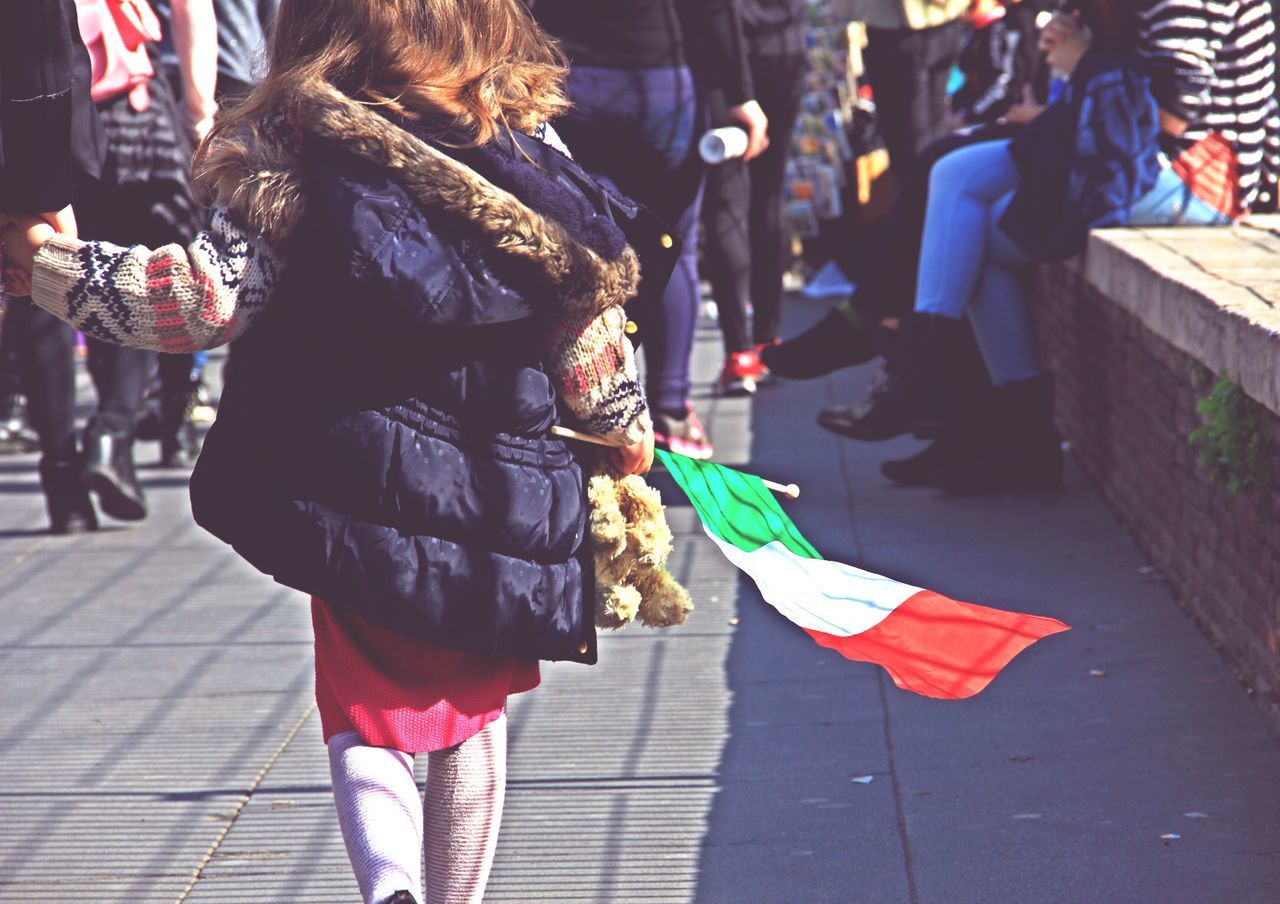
(256, 174)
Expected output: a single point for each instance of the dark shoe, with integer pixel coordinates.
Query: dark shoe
(830, 344)
(741, 374)
(108, 471)
(16, 435)
(402, 897)
(70, 509)
(924, 469)
(178, 444)
(1010, 447)
(682, 435)
(917, 391)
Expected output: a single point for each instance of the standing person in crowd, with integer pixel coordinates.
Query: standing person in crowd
(51, 150)
(203, 76)
(48, 142)
(381, 206)
(912, 46)
(637, 90)
(747, 247)
(1143, 81)
(189, 56)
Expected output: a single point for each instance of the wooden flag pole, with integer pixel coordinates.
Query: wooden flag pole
(790, 490)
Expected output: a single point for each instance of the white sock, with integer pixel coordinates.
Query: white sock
(380, 815)
(466, 785)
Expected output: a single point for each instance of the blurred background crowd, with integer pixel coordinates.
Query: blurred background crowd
(910, 160)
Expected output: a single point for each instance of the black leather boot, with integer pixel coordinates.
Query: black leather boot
(108, 470)
(917, 392)
(924, 469)
(178, 443)
(830, 344)
(70, 509)
(1010, 447)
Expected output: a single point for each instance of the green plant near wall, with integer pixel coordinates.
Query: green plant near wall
(1232, 443)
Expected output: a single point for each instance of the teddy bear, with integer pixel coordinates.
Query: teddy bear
(631, 543)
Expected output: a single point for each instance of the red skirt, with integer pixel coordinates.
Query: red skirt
(401, 693)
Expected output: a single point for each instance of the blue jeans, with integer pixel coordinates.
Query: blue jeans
(968, 266)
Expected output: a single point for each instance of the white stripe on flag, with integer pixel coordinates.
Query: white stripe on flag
(818, 594)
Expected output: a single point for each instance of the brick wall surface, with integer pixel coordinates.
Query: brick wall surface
(1126, 401)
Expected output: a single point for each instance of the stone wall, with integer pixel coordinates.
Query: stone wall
(1137, 331)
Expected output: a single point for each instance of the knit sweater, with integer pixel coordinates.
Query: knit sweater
(176, 299)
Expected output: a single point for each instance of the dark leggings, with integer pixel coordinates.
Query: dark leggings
(638, 130)
(747, 248)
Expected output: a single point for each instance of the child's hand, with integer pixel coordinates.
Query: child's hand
(636, 458)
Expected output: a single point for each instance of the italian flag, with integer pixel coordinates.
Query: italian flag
(929, 644)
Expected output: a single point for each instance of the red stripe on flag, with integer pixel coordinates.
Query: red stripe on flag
(939, 647)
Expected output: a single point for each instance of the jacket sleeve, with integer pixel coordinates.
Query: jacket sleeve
(35, 106)
(1179, 41)
(417, 266)
(172, 299)
(594, 368)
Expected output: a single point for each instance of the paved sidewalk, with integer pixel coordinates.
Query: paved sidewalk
(158, 741)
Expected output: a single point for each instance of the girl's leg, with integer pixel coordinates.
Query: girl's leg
(466, 786)
(964, 186)
(999, 310)
(380, 815)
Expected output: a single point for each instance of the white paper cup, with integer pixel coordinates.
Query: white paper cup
(722, 144)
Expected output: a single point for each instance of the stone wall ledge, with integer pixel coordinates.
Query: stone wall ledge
(1211, 292)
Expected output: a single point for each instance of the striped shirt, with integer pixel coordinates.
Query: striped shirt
(1213, 64)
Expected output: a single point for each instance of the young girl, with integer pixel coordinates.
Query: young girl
(405, 265)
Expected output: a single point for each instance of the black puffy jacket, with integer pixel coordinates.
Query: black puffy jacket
(382, 441)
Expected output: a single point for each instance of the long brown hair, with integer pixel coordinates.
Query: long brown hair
(470, 67)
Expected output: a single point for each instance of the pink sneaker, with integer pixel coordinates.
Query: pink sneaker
(684, 436)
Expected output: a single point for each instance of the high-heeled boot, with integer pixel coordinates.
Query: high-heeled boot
(109, 472)
(918, 390)
(70, 509)
(178, 444)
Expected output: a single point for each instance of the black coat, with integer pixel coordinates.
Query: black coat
(383, 438)
(50, 139)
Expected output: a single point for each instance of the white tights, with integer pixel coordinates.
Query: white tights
(382, 819)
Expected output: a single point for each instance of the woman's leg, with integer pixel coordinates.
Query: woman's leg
(964, 186)
(1000, 310)
(380, 815)
(779, 84)
(466, 786)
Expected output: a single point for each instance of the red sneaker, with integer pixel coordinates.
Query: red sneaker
(682, 435)
(741, 374)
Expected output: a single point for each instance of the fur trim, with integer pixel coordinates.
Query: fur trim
(258, 178)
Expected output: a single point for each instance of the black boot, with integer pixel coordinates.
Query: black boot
(917, 391)
(924, 469)
(830, 344)
(70, 509)
(178, 444)
(108, 470)
(1012, 447)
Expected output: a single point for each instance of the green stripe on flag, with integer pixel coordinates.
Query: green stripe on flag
(736, 507)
